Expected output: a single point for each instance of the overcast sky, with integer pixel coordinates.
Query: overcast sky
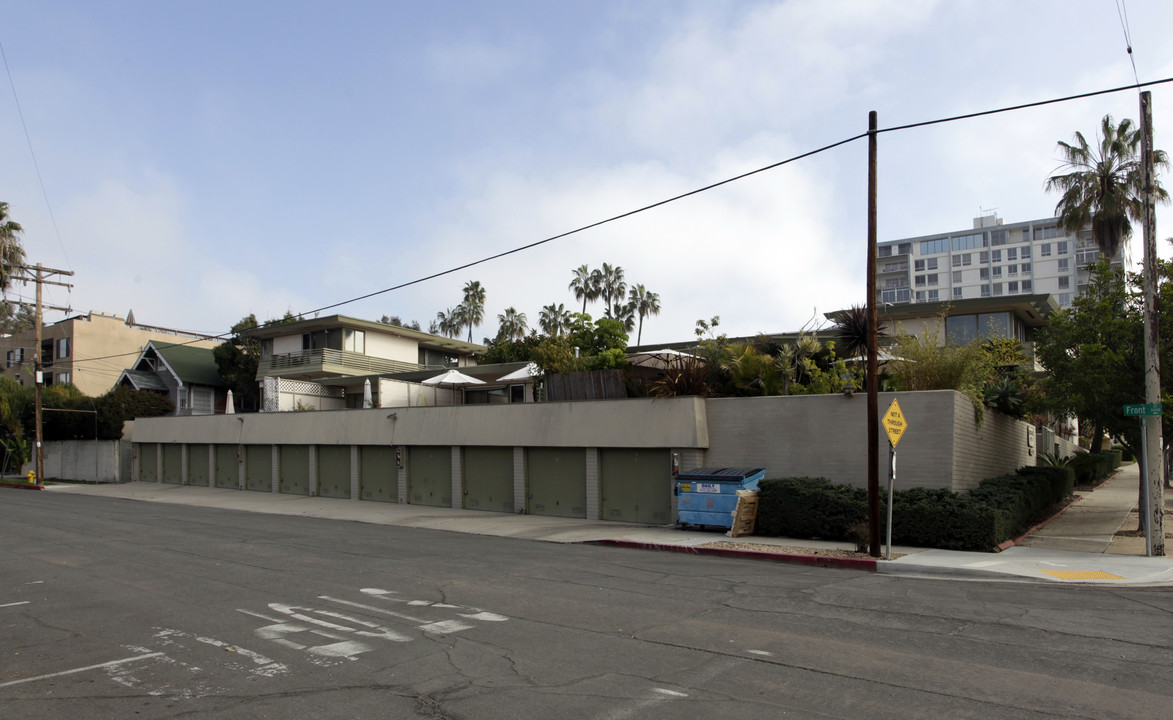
(205, 160)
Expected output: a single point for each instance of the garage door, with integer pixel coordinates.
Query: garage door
(556, 482)
(488, 478)
(148, 459)
(334, 471)
(429, 476)
(258, 468)
(294, 472)
(197, 465)
(227, 467)
(635, 485)
(378, 477)
(172, 464)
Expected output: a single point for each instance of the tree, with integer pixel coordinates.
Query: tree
(512, 325)
(1102, 185)
(473, 306)
(612, 287)
(396, 321)
(450, 322)
(644, 303)
(11, 251)
(584, 285)
(554, 319)
(851, 331)
(237, 359)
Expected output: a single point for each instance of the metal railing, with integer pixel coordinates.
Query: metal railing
(316, 360)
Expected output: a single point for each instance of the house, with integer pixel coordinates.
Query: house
(87, 350)
(186, 374)
(320, 363)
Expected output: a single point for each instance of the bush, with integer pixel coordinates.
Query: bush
(806, 507)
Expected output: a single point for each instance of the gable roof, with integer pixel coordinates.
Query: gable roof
(191, 365)
(427, 340)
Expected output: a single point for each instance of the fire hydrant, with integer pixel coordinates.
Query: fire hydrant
(32, 476)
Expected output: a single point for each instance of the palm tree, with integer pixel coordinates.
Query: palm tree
(851, 331)
(554, 319)
(11, 252)
(513, 325)
(584, 285)
(474, 305)
(611, 286)
(644, 303)
(451, 321)
(1102, 185)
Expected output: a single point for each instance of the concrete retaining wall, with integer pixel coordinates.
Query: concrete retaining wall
(81, 460)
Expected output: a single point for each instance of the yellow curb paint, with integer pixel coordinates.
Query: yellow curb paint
(1083, 575)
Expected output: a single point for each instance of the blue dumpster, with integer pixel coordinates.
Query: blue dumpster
(708, 496)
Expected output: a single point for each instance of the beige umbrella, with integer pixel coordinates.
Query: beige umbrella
(453, 379)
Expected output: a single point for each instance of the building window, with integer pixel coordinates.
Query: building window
(1024, 253)
(919, 280)
(984, 256)
(1026, 234)
(969, 242)
(1064, 283)
(1064, 299)
(986, 290)
(1012, 287)
(1061, 248)
(1011, 270)
(1011, 254)
(957, 293)
(15, 357)
(934, 295)
(997, 288)
(956, 277)
(932, 263)
(997, 255)
(904, 249)
(62, 378)
(998, 237)
(1064, 265)
(63, 348)
(918, 265)
(983, 274)
(997, 271)
(884, 251)
(1048, 233)
(1045, 250)
(934, 247)
(920, 296)
(931, 279)
(1025, 268)
(1026, 286)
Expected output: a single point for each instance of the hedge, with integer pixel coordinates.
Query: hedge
(997, 510)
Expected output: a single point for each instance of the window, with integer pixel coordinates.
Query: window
(266, 348)
(1026, 286)
(919, 266)
(884, 251)
(998, 237)
(986, 290)
(1026, 234)
(1045, 250)
(1025, 268)
(1011, 270)
(904, 249)
(63, 348)
(61, 378)
(969, 242)
(1024, 253)
(46, 353)
(934, 247)
(516, 393)
(1048, 233)
(1064, 299)
(1012, 287)
(15, 357)
(957, 293)
(354, 341)
(1064, 283)
(1011, 254)
(997, 271)
(920, 295)
(998, 288)
(1064, 265)
(932, 263)
(931, 278)
(934, 295)
(984, 256)
(956, 277)
(1061, 248)
(919, 280)
(997, 255)
(961, 329)
(984, 274)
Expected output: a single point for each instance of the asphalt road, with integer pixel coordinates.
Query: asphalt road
(117, 609)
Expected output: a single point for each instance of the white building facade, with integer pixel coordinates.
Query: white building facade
(991, 259)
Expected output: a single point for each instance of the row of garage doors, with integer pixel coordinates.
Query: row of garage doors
(633, 485)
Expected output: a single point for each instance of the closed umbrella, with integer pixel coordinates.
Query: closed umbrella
(366, 394)
(228, 407)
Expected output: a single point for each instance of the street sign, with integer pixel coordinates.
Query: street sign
(1142, 410)
(894, 423)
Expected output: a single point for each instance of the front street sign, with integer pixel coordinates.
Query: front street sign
(1142, 410)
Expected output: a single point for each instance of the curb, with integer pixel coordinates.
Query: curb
(22, 486)
(1015, 541)
(867, 565)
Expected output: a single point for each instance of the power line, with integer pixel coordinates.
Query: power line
(1122, 13)
(711, 186)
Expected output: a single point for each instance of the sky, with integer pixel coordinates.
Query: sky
(199, 162)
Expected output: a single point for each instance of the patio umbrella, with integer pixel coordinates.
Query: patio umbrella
(660, 359)
(228, 408)
(453, 379)
(525, 373)
(366, 394)
(881, 358)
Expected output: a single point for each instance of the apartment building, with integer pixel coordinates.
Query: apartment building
(90, 350)
(992, 259)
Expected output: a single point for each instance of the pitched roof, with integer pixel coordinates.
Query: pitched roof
(142, 380)
(192, 365)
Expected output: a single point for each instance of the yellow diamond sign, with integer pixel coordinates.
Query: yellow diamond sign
(894, 423)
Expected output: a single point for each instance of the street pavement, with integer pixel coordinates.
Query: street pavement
(1079, 546)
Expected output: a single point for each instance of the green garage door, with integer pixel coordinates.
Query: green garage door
(197, 465)
(556, 482)
(334, 471)
(258, 468)
(378, 477)
(488, 478)
(429, 476)
(635, 485)
(227, 467)
(172, 464)
(294, 473)
(148, 459)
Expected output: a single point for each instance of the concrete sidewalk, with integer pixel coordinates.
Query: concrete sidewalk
(1075, 547)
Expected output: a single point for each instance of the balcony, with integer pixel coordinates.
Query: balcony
(325, 362)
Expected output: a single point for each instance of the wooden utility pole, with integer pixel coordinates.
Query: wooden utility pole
(873, 360)
(1155, 522)
(39, 274)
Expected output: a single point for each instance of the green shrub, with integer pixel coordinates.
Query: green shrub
(809, 508)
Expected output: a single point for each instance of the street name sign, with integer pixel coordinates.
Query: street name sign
(1142, 410)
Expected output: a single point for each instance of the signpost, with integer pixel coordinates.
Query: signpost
(894, 425)
(1142, 411)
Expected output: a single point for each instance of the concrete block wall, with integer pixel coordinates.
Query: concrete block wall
(998, 446)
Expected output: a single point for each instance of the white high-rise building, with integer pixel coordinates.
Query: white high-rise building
(991, 259)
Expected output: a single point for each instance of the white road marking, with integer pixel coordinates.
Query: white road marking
(112, 663)
(264, 666)
(670, 693)
(22, 602)
(443, 627)
(763, 653)
(486, 616)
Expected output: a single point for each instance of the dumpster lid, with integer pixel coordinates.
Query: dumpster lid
(720, 474)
